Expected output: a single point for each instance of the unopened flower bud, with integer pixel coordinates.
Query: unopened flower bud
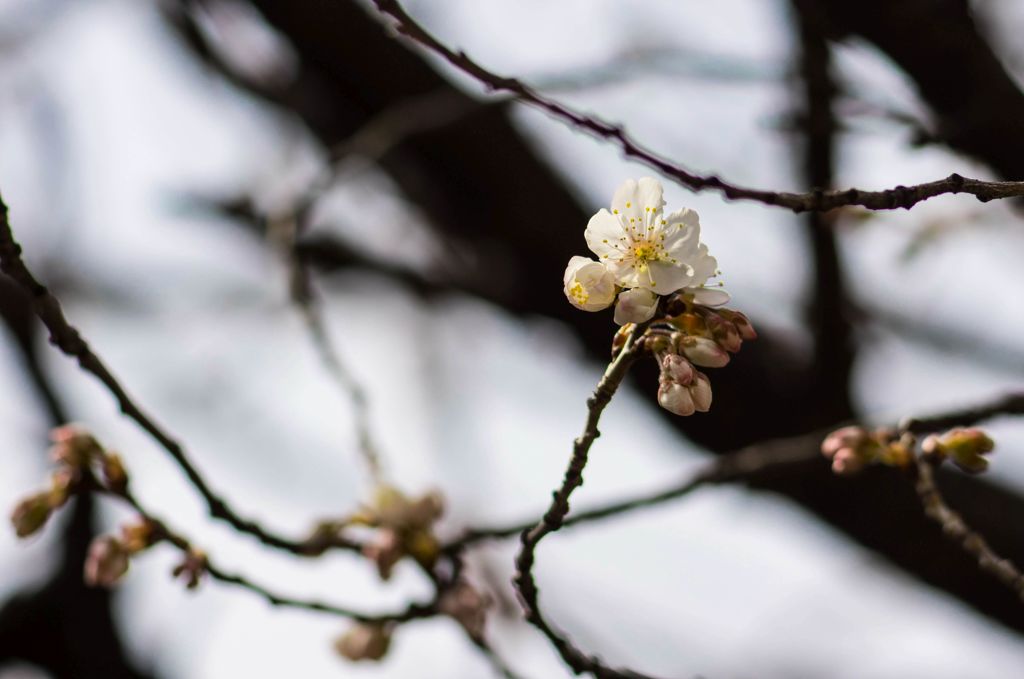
(965, 446)
(385, 550)
(691, 324)
(703, 352)
(846, 461)
(31, 514)
(72, 445)
(467, 606)
(742, 323)
(62, 485)
(364, 641)
(425, 511)
(675, 368)
(723, 331)
(138, 536)
(106, 563)
(191, 569)
(423, 546)
(114, 475)
(700, 392)
(847, 437)
(676, 398)
(635, 306)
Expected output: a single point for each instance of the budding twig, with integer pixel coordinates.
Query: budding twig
(67, 338)
(954, 526)
(818, 200)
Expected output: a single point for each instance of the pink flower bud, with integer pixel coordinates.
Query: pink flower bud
(467, 606)
(106, 563)
(703, 352)
(635, 306)
(742, 323)
(847, 437)
(385, 549)
(364, 641)
(675, 368)
(31, 514)
(676, 398)
(700, 392)
(846, 461)
(72, 445)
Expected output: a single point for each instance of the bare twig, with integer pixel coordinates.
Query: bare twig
(818, 200)
(736, 466)
(1010, 404)
(954, 526)
(162, 533)
(67, 338)
(553, 519)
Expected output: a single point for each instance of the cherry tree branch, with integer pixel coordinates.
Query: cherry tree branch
(957, 530)
(525, 585)
(67, 338)
(818, 200)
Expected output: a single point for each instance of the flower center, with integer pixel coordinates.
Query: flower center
(579, 293)
(646, 251)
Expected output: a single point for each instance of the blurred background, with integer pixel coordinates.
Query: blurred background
(147, 147)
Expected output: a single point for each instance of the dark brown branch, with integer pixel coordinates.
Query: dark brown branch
(819, 200)
(526, 586)
(956, 529)
(67, 338)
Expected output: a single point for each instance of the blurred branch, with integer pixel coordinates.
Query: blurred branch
(818, 200)
(286, 231)
(67, 338)
(830, 330)
(955, 528)
(162, 533)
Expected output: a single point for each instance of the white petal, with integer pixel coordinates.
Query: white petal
(635, 306)
(681, 239)
(604, 235)
(704, 265)
(626, 203)
(709, 296)
(575, 264)
(665, 277)
(684, 217)
(650, 197)
(626, 275)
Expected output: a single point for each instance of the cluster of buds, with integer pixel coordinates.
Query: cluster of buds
(852, 448)
(695, 336)
(364, 641)
(110, 555)
(965, 446)
(404, 527)
(467, 606)
(74, 451)
(192, 568)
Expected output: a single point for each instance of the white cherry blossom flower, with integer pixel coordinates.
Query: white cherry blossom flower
(635, 306)
(589, 285)
(644, 248)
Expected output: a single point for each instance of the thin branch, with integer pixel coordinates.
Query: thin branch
(67, 338)
(736, 466)
(553, 519)
(954, 526)
(287, 231)
(818, 200)
(162, 533)
(1010, 404)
